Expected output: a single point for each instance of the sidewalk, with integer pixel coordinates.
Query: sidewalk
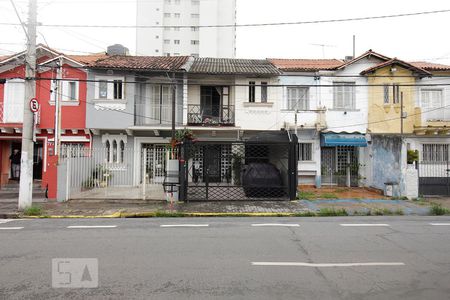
(326, 207)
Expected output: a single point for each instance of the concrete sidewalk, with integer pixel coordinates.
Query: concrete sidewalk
(8, 209)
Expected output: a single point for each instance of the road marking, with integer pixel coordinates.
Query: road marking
(91, 226)
(3, 221)
(365, 225)
(10, 228)
(275, 225)
(185, 225)
(327, 265)
(440, 224)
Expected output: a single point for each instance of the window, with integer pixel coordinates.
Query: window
(195, 16)
(396, 93)
(193, 28)
(297, 98)
(114, 155)
(263, 92)
(109, 88)
(166, 15)
(386, 93)
(305, 152)
(195, 42)
(176, 42)
(166, 42)
(435, 152)
(344, 95)
(115, 151)
(103, 89)
(72, 93)
(122, 151)
(108, 151)
(430, 102)
(176, 15)
(251, 91)
(118, 93)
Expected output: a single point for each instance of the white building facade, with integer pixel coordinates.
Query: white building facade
(173, 28)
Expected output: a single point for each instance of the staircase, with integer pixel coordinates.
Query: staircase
(11, 190)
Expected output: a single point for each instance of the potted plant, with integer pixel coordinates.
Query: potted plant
(412, 156)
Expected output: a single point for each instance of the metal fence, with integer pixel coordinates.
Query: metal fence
(434, 178)
(116, 173)
(238, 171)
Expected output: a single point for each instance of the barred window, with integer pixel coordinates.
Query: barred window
(435, 152)
(305, 152)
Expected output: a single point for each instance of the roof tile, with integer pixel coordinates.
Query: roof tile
(298, 65)
(233, 66)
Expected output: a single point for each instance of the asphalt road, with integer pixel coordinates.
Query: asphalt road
(231, 258)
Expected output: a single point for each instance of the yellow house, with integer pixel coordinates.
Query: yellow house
(392, 83)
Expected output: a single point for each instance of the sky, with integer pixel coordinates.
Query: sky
(410, 38)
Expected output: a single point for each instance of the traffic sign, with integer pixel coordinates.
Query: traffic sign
(34, 105)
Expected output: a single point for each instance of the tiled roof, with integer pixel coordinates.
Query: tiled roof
(233, 66)
(163, 63)
(395, 61)
(87, 59)
(430, 66)
(368, 53)
(298, 65)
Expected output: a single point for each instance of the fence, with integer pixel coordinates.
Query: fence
(116, 173)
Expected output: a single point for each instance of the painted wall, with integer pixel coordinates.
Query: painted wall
(385, 118)
(386, 159)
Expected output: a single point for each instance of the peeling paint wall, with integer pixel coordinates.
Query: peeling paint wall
(386, 152)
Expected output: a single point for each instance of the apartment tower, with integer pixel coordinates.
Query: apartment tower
(160, 36)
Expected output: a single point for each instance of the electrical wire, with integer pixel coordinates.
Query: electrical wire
(244, 25)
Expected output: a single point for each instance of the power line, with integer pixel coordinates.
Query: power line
(243, 25)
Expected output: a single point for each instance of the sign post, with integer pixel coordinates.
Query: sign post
(34, 107)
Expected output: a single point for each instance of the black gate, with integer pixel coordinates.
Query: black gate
(241, 170)
(434, 178)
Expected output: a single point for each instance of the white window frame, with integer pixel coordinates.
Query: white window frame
(295, 104)
(432, 106)
(110, 87)
(65, 93)
(345, 93)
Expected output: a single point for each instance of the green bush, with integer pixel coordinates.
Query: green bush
(331, 212)
(438, 210)
(34, 210)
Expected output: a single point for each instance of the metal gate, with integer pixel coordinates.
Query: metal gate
(434, 178)
(340, 166)
(230, 171)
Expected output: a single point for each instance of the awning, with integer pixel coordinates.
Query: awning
(343, 139)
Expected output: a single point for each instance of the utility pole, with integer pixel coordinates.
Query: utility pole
(26, 162)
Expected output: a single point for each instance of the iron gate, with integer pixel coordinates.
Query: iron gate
(229, 171)
(434, 178)
(340, 166)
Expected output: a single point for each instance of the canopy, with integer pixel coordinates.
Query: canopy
(343, 139)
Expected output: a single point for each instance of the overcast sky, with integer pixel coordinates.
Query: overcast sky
(409, 38)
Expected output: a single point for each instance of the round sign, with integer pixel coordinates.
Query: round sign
(34, 105)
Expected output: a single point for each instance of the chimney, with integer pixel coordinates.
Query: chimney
(117, 49)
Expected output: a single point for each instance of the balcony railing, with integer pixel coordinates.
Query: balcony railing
(148, 114)
(198, 115)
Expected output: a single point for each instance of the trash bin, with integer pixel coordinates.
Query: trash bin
(391, 189)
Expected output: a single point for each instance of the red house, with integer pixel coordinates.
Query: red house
(51, 64)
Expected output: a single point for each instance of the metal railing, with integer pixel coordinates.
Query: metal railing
(199, 115)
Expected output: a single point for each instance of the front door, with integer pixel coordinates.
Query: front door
(212, 159)
(37, 160)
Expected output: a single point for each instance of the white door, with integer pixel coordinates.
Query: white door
(13, 102)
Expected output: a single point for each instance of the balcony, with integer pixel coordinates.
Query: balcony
(146, 114)
(199, 115)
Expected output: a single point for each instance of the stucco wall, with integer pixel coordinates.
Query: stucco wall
(386, 161)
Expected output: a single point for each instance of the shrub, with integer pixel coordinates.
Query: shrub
(34, 210)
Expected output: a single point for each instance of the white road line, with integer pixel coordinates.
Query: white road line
(10, 228)
(327, 265)
(440, 224)
(3, 221)
(91, 226)
(275, 225)
(184, 225)
(365, 225)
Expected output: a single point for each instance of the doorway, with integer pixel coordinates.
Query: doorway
(212, 163)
